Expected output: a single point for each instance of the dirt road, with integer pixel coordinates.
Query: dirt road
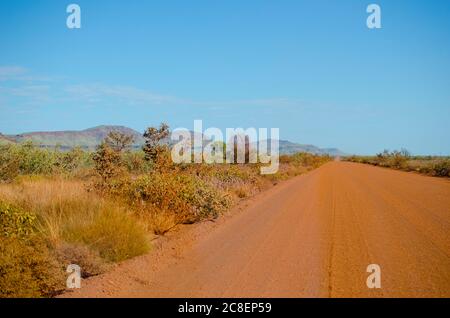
(312, 236)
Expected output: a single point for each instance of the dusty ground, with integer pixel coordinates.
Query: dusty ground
(312, 236)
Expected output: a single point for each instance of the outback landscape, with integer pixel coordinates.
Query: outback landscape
(94, 208)
(98, 208)
(315, 162)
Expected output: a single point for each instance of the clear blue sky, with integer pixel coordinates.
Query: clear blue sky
(311, 68)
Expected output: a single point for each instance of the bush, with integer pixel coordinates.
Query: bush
(9, 163)
(70, 161)
(135, 162)
(205, 200)
(34, 160)
(119, 141)
(26, 159)
(90, 262)
(441, 168)
(107, 162)
(14, 222)
(27, 269)
(154, 138)
(188, 197)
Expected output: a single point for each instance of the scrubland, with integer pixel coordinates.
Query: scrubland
(101, 207)
(437, 166)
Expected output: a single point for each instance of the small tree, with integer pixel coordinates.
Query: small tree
(107, 162)
(119, 141)
(9, 162)
(153, 137)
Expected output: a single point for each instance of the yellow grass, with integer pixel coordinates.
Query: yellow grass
(66, 211)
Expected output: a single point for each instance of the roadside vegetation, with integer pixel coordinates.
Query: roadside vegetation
(402, 160)
(98, 208)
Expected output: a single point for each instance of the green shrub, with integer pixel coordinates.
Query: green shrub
(70, 161)
(135, 162)
(190, 198)
(205, 200)
(14, 222)
(34, 160)
(9, 163)
(26, 159)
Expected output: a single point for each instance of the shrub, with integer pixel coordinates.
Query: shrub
(190, 198)
(205, 200)
(9, 163)
(26, 159)
(107, 162)
(398, 159)
(441, 168)
(153, 141)
(27, 269)
(135, 162)
(14, 222)
(34, 160)
(160, 191)
(90, 262)
(119, 141)
(72, 160)
(228, 176)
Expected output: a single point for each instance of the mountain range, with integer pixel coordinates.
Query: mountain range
(90, 138)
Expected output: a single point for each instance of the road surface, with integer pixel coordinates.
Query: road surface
(313, 236)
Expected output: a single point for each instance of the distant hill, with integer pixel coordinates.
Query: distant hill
(90, 138)
(287, 147)
(4, 140)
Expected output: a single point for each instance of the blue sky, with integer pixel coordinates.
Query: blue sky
(311, 68)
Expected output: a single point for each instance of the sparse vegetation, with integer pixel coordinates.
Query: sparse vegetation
(153, 138)
(96, 208)
(119, 141)
(27, 268)
(403, 160)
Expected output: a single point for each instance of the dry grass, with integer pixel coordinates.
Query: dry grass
(58, 203)
(159, 221)
(77, 225)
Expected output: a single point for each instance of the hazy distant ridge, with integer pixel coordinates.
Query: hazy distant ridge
(89, 138)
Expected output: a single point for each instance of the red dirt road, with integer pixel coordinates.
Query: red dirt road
(312, 236)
